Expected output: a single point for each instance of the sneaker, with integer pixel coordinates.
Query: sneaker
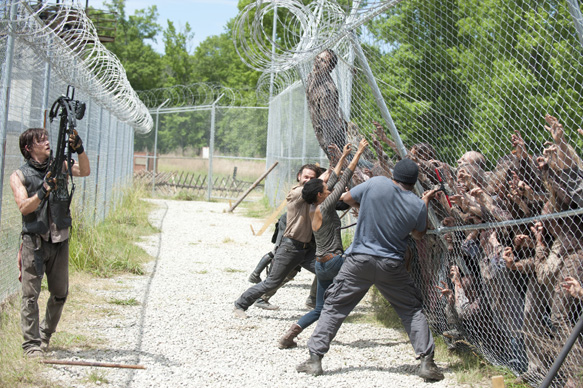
(239, 313)
(265, 305)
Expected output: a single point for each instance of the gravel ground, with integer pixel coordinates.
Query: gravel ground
(184, 333)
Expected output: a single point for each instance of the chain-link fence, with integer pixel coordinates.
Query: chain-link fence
(206, 151)
(485, 96)
(31, 80)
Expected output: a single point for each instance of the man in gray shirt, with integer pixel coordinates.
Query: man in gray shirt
(389, 212)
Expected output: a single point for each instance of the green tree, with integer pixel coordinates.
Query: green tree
(142, 64)
(177, 59)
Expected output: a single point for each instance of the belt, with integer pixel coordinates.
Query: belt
(296, 243)
(325, 258)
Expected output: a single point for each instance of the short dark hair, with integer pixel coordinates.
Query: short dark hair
(311, 190)
(27, 139)
(309, 166)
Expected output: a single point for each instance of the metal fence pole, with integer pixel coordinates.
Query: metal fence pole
(212, 148)
(156, 145)
(577, 18)
(86, 137)
(46, 88)
(305, 135)
(6, 80)
(105, 178)
(100, 126)
(387, 115)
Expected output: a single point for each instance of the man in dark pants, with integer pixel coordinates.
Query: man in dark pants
(255, 277)
(296, 246)
(389, 212)
(45, 236)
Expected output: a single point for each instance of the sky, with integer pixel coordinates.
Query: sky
(206, 17)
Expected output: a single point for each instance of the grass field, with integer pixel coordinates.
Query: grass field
(247, 170)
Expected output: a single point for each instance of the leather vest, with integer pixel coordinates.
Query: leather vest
(37, 222)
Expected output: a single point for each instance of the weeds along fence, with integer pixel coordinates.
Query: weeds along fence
(444, 78)
(42, 51)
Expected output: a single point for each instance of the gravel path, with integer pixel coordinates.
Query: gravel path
(183, 331)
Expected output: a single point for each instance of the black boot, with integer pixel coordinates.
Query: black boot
(255, 276)
(312, 366)
(429, 370)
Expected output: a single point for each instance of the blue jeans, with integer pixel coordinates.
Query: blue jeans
(325, 272)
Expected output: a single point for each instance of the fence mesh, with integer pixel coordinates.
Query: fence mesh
(489, 94)
(34, 73)
(206, 151)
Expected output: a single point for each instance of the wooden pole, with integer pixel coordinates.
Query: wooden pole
(272, 217)
(242, 197)
(92, 363)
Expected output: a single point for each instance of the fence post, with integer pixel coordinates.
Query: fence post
(577, 18)
(212, 148)
(46, 87)
(6, 80)
(387, 115)
(156, 146)
(107, 156)
(306, 118)
(97, 154)
(86, 137)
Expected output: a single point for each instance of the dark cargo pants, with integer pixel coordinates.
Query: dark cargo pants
(287, 257)
(39, 257)
(356, 276)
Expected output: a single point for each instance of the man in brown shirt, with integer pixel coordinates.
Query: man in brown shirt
(296, 246)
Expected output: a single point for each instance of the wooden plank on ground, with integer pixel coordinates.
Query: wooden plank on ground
(497, 382)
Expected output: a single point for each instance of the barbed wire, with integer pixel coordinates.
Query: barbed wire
(281, 81)
(196, 94)
(305, 30)
(64, 36)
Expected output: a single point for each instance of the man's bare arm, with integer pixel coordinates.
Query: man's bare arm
(25, 204)
(347, 198)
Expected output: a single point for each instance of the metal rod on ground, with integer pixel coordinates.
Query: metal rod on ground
(242, 197)
(92, 363)
(577, 330)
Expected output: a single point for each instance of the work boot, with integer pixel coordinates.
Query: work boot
(255, 276)
(44, 341)
(429, 370)
(265, 305)
(287, 341)
(33, 352)
(238, 312)
(311, 303)
(312, 366)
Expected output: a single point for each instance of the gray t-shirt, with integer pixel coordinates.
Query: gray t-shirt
(387, 215)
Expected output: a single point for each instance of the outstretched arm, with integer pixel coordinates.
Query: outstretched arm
(361, 148)
(345, 153)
